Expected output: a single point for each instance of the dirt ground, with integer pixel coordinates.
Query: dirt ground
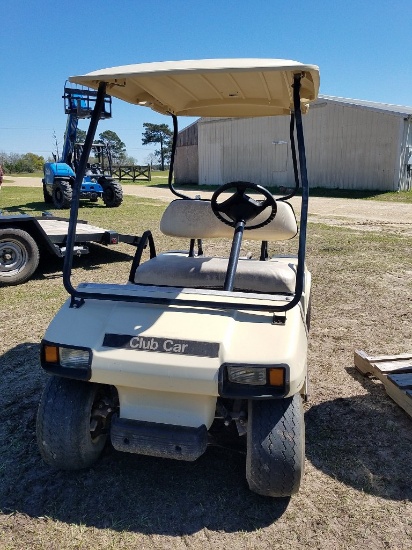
(357, 488)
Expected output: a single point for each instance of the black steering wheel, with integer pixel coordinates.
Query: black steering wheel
(242, 208)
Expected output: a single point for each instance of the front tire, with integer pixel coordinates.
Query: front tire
(62, 194)
(64, 424)
(113, 195)
(275, 446)
(19, 256)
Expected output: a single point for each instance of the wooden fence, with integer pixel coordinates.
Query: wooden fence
(132, 173)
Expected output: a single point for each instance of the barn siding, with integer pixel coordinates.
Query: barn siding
(186, 167)
(244, 150)
(404, 171)
(352, 147)
(348, 146)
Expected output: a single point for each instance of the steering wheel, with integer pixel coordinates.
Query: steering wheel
(240, 207)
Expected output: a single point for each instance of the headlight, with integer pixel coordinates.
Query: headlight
(248, 381)
(74, 358)
(244, 375)
(71, 362)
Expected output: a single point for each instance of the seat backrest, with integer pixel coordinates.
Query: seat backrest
(194, 219)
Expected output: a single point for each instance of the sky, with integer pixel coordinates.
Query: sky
(362, 48)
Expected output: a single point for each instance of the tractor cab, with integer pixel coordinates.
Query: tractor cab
(59, 176)
(99, 161)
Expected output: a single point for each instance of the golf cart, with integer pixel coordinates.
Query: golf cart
(192, 344)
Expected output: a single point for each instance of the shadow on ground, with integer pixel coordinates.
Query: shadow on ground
(123, 491)
(51, 267)
(363, 441)
(350, 439)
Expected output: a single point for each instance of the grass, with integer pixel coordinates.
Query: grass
(160, 179)
(29, 200)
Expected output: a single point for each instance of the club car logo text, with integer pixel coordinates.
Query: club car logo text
(168, 346)
(161, 345)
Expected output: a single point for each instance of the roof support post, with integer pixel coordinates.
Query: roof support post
(300, 271)
(172, 159)
(74, 209)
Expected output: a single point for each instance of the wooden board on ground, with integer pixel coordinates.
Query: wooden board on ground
(394, 371)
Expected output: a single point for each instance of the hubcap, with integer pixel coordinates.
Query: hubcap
(13, 258)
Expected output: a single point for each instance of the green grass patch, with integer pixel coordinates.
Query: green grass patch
(160, 179)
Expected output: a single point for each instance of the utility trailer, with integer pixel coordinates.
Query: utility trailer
(24, 238)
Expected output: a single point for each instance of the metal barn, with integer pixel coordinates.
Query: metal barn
(350, 144)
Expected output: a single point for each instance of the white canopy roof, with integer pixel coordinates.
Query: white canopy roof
(210, 87)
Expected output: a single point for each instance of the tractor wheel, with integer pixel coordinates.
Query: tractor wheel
(69, 432)
(113, 195)
(62, 194)
(19, 256)
(48, 199)
(275, 446)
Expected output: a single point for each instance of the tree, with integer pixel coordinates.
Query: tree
(35, 162)
(80, 136)
(150, 159)
(129, 161)
(14, 163)
(162, 134)
(116, 145)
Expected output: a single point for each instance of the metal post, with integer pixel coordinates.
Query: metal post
(234, 256)
(71, 236)
(300, 271)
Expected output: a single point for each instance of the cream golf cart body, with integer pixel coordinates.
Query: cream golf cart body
(192, 342)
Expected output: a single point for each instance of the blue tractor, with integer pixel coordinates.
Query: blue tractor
(59, 176)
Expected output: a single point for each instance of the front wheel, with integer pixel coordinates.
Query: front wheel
(62, 194)
(19, 256)
(71, 433)
(113, 195)
(275, 446)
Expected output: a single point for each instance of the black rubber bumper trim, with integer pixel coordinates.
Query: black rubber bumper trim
(161, 440)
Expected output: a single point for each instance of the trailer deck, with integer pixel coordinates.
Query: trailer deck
(23, 238)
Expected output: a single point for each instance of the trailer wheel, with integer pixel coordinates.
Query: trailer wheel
(48, 199)
(19, 256)
(275, 446)
(67, 436)
(113, 195)
(62, 194)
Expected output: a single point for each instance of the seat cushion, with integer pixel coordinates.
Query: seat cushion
(194, 219)
(174, 269)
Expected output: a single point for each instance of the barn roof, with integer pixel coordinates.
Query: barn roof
(386, 107)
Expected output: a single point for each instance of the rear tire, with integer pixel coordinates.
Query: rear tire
(19, 256)
(113, 195)
(63, 426)
(275, 446)
(48, 199)
(62, 194)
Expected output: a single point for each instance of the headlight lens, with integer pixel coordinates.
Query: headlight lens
(255, 376)
(74, 358)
